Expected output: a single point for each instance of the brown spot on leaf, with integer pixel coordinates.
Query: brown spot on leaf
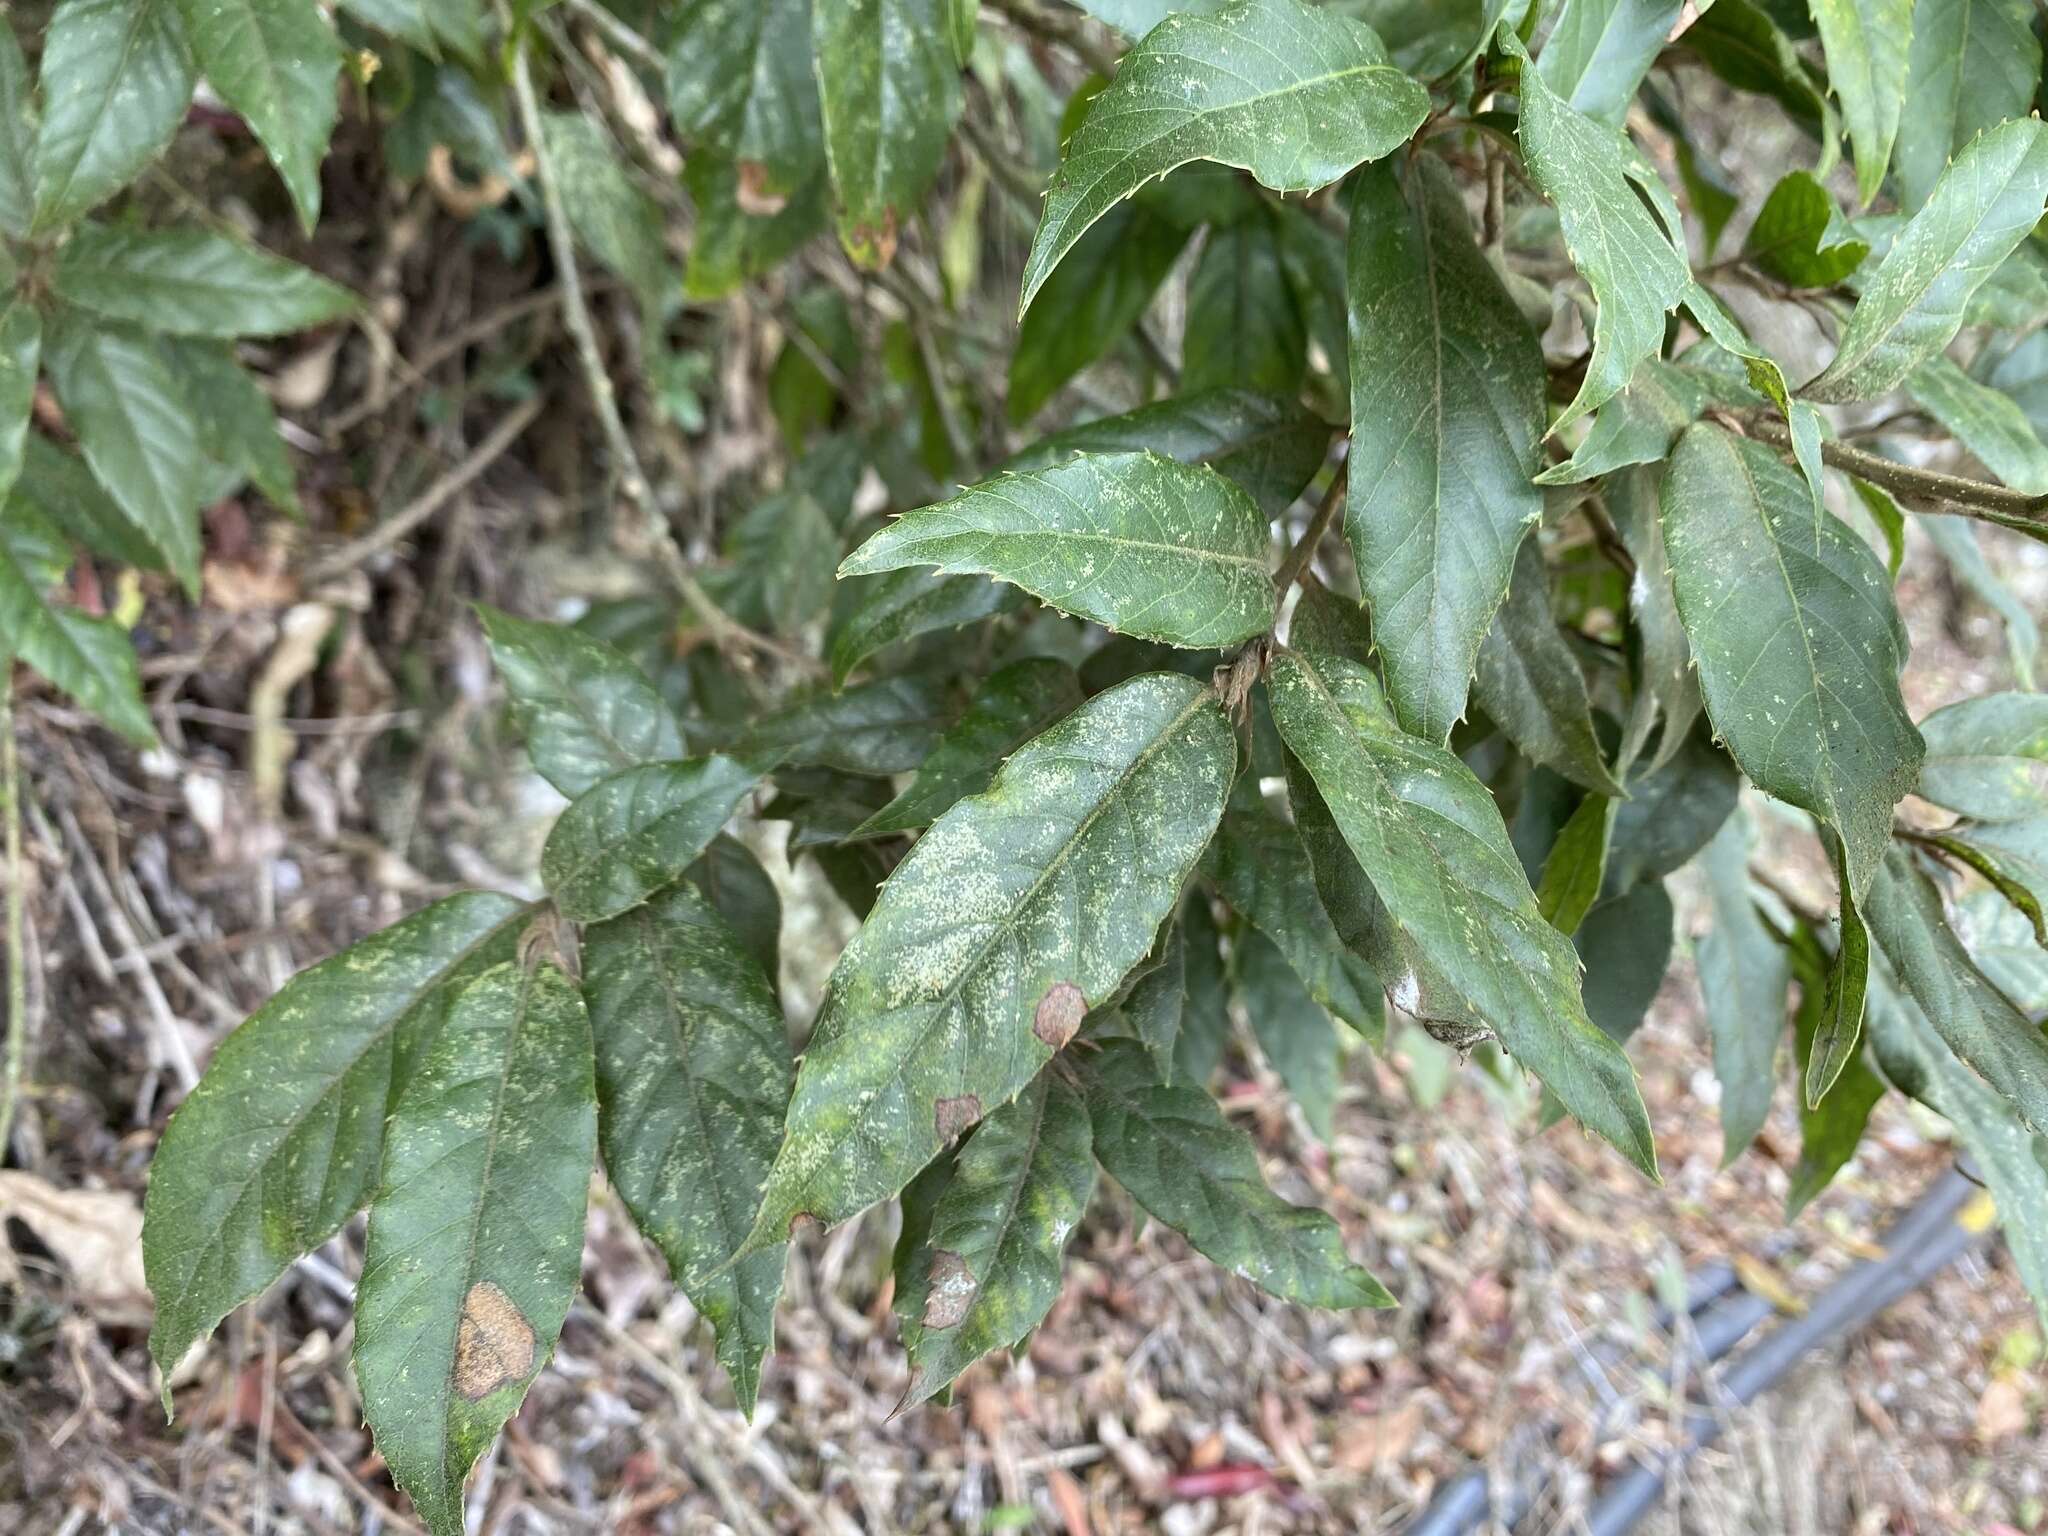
(494, 1343)
(801, 1218)
(952, 1116)
(874, 245)
(756, 198)
(952, 1291)
(1059, 1014)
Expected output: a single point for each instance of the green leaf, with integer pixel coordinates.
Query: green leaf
(1637, 275)
(2002, 941)
(1176, 1155)
(1988, 757)
(1829, 1131)
(998, 1232)
(1640, 425)
(1091, 302)
(117, 76)
(135, 429)
(1157, 1002)
(90, 659)
(1599, 50)
(889, 81)
(1973, 64)
(1740, 42)
(1530, 685)
(1144, 545)
(21, 353)
(280, 1142)
(1013, 705)
(1293, 94)
(193, 282)
(1667, 676)
(1292, 1030)
(1866, 43)
(886, 726)
(1269, 446)
(612, 217)
(1577, 864)
(1799, 236)
(1911, 306)
(17, 140)
(1625, 944)
(58, 487)
(778, 571)
(693, 1070)
(740, 80)
(629, 835)
(2011, 1159)
(739, 239)
(2013, 857)
(1428, 837)
(277, 63)
(1244, 327)
(237, 426)
(585, 710)
(1264, 872)
(877, 612)
(734, 882)
(476, 1232)
(1205, 1016)
(1977, 1021)
(1984, 420)
(1672, 811)
(1839, 1027)
(981, 957)
(1796, 637)
(1745, 980)
(1446, 410)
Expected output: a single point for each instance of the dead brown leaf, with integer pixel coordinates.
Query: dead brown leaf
(96, 1234)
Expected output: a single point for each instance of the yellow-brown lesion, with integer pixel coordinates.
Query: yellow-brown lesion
(494, 1343)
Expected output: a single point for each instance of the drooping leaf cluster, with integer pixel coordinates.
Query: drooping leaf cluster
(1382, 658)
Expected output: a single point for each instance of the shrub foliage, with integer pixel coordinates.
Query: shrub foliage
(1372, 658)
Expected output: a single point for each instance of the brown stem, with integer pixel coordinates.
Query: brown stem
(1957, 495)
(1305, 547)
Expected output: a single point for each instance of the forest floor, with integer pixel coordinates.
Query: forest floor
(171, 892)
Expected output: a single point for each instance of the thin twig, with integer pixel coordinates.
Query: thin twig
(1060, 27)
(619, 35)
(417, 370)
(17, 936)
(1962, 496)
(431, 500)
(1305, 547)
(604, 398)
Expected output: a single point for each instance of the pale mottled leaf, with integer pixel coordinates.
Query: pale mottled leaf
(1637, 275)
(1291, 93)
(280, 1142)
(631, 834)
(1866, 42)
(585, 710)
(998, 1232)
(693, 1070)
(1446, 408)
(476, 1231)
(1988, 757)
(1145, 545)
(1911, 306)
(1428, 837)
(1020, 909)
(1599, 50)
(1796, 637)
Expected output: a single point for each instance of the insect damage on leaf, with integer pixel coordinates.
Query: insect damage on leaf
(494, 1343)
(952, 1291)
(1059, 1014)
(953, 1115)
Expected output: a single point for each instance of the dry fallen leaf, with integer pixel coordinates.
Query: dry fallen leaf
(2001, 1411)
(96, 1234)
(1384, 1438)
